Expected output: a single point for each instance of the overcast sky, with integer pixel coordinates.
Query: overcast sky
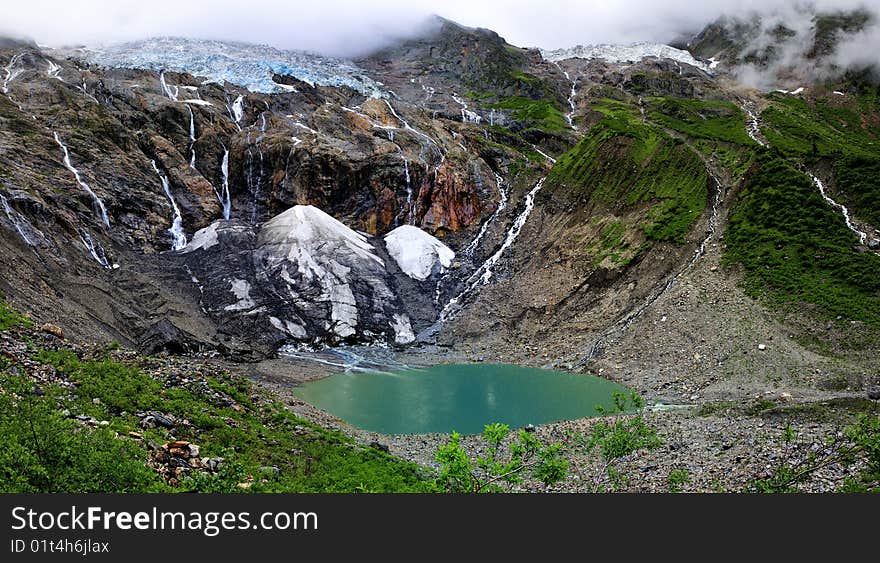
(346, 27)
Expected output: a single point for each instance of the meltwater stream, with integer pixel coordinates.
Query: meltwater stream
(178, 237)
(863, 236)
(192, 138)
(223, 196)
(98, 204)
(485, 272)
(569, 117)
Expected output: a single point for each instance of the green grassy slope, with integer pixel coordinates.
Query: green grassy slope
(795, 248)
(623, 162)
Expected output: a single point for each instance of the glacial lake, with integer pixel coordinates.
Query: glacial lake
(460, 397)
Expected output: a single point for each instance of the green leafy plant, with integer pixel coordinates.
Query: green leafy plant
(624, 432)
(504, 465)
(858, 445)
(677, 478)
(41, 451)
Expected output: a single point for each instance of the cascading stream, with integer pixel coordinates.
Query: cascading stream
(12, 71)
(94, 249)
(408, 207)
(753, 126)
(467, 116)
(569, 117)
(863, 236)
(484, 273)
(98, 204)
(192, 138)
(223, 196)
(171, 91)
(18, 221)
(178, 236)
(501, 206)
(238, 109)
(408, 127)
(54, 70)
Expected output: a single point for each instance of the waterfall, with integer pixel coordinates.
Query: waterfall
(408, 127)
(863, 237)
(409, 193)
(545, 155)
(502, 204)
(12, 71)
(225, 198)
(178, 237)
(569, 117)
(85, 91)
(94, 248)
(172, 94)
(467, 116)
(753, 127)
(485, 272)
(17, 220)
(97, 203)
(192, 138)
(408, 206)
(238, 109)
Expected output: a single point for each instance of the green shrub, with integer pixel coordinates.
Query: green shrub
(623, 163)
(40, 451)
(504, 464)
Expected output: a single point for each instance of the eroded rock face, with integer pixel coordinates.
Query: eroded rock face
(375, 165)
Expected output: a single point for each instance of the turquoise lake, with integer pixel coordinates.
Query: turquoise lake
(461, 397)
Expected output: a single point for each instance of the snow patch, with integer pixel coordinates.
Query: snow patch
(242, 291)
(197, 102)
(417, 252)
(403, 332)
(203, 239)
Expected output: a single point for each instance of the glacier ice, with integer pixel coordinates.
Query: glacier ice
(417, 252)
(624, 53)
(247, 65)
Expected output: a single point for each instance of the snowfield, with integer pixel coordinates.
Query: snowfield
(417, 253)
(624, 53)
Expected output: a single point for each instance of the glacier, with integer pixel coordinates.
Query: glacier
(625, 53)
(246, 65)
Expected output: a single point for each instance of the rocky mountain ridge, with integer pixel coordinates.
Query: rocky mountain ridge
(578, 181)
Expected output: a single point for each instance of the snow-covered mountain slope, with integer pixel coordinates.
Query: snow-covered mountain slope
(624, 53)
(250, 66)
(417, 253)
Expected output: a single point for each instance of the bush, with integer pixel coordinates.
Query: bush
(503, 466)
(40, 451)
